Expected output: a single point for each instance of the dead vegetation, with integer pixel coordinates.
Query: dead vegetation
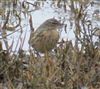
(69, 66)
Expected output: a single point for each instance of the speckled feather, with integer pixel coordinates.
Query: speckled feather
(46, 36)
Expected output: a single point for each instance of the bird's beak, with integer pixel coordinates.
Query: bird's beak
(61, 25)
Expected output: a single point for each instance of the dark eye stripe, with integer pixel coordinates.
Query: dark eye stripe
(55, 22)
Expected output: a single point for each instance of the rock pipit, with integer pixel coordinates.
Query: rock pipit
(46, 36)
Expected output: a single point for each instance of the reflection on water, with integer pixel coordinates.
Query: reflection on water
(96, 2)
(95, 10)
(96, 15)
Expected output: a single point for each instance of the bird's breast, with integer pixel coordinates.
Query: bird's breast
(47, 41)
(52, 34)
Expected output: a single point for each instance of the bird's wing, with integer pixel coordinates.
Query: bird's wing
(37, 34)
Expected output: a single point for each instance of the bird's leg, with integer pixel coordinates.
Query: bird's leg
(46, 64)
(37, 53)
(47, 69)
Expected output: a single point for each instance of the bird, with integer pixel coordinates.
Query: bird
(46, 36)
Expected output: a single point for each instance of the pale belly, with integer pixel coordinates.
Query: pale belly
(46, 42)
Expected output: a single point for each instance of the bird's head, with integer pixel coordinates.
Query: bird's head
(53, 23)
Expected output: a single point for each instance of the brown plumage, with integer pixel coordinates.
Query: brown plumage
(44, 39)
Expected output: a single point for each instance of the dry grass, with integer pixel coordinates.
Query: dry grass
(69, 66)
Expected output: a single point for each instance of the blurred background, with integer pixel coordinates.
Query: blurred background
(17, 25)
(75, 61)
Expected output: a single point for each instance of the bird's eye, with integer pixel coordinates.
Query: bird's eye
(55, 22)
